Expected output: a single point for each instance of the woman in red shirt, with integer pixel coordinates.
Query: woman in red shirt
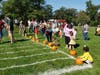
(1, 27)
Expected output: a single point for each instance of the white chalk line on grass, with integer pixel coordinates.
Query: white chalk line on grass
(31, 64)
(11, 58)
(66, 70)
(66, 54)
(55, 72)
(60, 51)
(18, 47)
(28, 50)
(73, 68)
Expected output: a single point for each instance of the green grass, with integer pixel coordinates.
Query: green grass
(25, 47)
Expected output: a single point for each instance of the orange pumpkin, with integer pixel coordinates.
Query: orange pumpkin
(37, 40)
(54, 48)
(50, 44)
(33, 39)
(98, 32)
(72, 52)
(44, 42)
(78, 61)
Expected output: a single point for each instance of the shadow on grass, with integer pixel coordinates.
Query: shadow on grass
(77, 45)
(19, 40)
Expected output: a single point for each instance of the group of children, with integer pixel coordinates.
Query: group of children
(86, 57)
(70, 37)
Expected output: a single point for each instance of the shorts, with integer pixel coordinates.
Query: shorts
(87, 62)
(1, 34)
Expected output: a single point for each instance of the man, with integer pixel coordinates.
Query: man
(9, 28)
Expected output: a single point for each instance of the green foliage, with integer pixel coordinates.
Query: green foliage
(67, 14)
(0, 0)
(26, 8)
(82, 18)
(60, 13)
(92, 10)
(47, 12)
(98, 18)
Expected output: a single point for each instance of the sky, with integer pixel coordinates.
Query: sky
(77, 4)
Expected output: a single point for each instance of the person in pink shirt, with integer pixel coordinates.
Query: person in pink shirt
(67, 29)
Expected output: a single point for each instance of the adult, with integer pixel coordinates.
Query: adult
(22, 28)
(29, 25)
(1, 27)
(67, 29)
(11, 23)
(16, 22)
(31, 28)
(48, 32)
(10, 28)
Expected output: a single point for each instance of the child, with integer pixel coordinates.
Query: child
(48, 33)
(72, 41)
(86, 57)
(60, 33)
(55, 41)
(36, 32)
(98, 30)
(75, 32)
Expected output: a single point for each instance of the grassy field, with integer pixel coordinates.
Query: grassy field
(25, 57)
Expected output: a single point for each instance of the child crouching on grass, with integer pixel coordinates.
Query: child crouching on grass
(55, 41)
(86, 57)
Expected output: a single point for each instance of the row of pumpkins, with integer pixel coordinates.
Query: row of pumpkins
(78, 61)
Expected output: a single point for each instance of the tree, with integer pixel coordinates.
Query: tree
(23, 8)
(0, 0)
(0, 3)
(98, 17)
(71, 14)
(67, 14)
(60, 13)
(82, 18)
(92, 11)
(47, 12)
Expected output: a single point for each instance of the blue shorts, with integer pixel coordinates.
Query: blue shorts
(1, 34)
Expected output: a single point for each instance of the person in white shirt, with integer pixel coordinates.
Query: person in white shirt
(85, 31)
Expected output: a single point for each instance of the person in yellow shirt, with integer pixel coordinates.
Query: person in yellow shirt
(86, 57)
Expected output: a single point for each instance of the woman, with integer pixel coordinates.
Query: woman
(1, 27)
(67, 29)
